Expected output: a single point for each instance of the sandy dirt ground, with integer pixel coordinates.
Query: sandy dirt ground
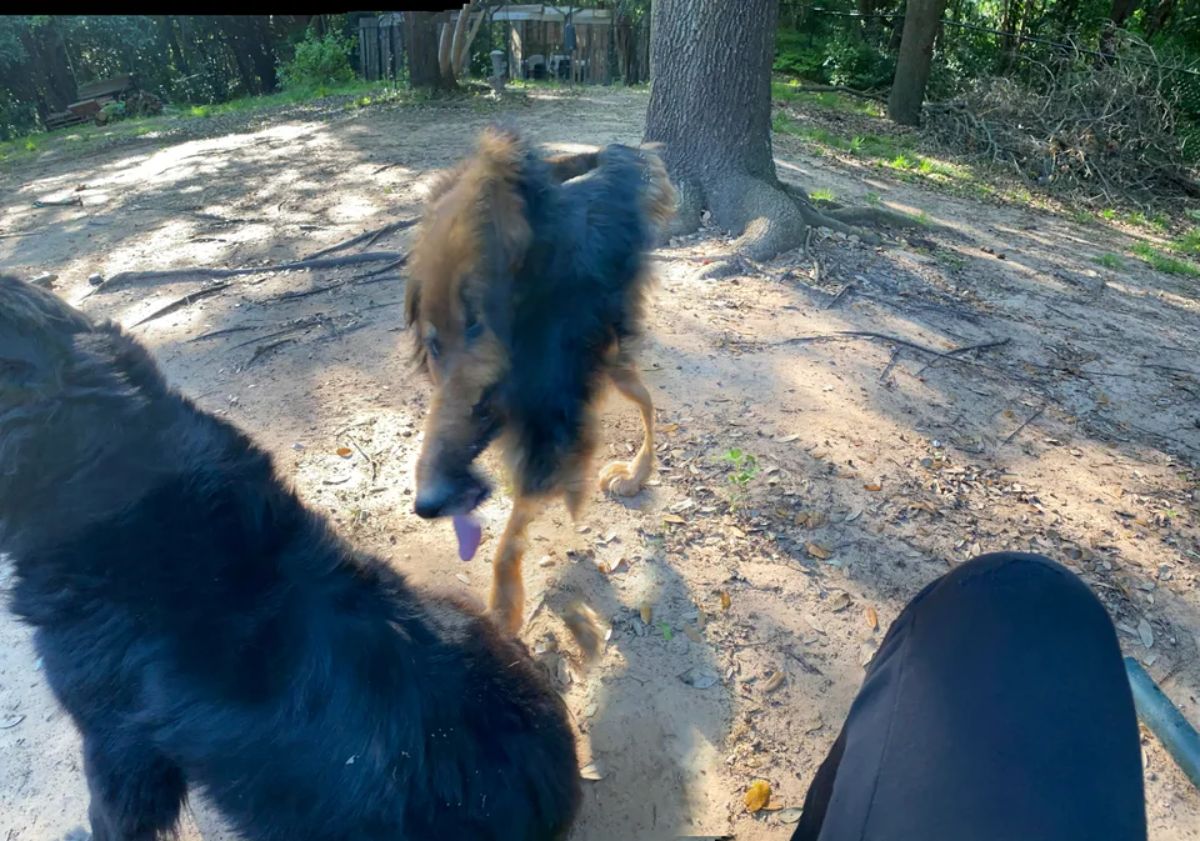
(811, 477)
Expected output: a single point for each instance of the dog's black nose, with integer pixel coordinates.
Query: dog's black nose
(432, 499)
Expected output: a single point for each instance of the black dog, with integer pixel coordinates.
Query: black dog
(204, 628)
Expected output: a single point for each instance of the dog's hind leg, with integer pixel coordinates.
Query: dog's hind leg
(627, 478)
(136, 794)
(507, 602)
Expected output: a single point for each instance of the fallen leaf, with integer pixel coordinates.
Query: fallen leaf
(462, 578)
(813, 723)
(10, 721)
(1145, 633)
(790, 815)
(787, 439)
(773, 682)
(872, 619)
(674, 519)
(345, 452)
(668, 427)
(700, 678)
(647, 612)
(592, 771)
(816, 550)
(667, 631)
(757, 796)
(839, 602)
(874, 486)
(726, 602)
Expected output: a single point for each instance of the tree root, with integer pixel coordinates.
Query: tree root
(771, 217)
(192, 272)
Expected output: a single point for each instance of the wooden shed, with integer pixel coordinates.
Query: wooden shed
(537, 48)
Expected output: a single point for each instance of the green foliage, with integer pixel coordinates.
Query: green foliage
(797, 54)
(1188, 243)
(319, 61)
(854, 63)
(743, 467)
(822, 195)
(1110, 261)
(1168, 265)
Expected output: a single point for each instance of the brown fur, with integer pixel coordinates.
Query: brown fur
(473, 240)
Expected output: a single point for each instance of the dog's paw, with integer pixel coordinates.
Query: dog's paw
(618, 479)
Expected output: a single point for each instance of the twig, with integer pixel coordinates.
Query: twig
(1028, 421)
(867, 334)
(73, 201)
(225, 332)
(846, 290)
(366, 236)
(301, 324)
(840, 89)
(370, 461)
(967, 349)
(263, 350)
(167, 275)
(180, 303)
(891, 364)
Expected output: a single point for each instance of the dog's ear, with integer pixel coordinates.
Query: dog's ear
(36, 331)
(501, 157)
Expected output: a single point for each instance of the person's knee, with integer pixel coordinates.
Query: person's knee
(1022, 579)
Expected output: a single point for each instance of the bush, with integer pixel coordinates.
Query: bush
(797, 54)
(852, 62)
(318, 62)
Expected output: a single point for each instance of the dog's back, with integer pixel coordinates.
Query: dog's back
(203, 627)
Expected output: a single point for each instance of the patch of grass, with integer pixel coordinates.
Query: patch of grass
(873, 199)
(1163, 263)
(1193, 213)
(1110, 261)
(1108, 214)
(1082, 217)
(822, 195)
(1188, 243)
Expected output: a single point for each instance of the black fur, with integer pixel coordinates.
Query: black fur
(204, 628)
(578, 290)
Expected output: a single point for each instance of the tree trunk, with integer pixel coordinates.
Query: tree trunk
(262, 51)
(1157, 20)
(710, 105)
(912, 64)
(1118, 14)
(230, 27)
(420, 32)
(166, 28)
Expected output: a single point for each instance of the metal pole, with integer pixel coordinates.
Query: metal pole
(1165, 721)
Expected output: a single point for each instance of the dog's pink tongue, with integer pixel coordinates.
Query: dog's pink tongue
(469, 532)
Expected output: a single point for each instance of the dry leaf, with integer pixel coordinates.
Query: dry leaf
(790, 815)
(592, 771)
(463, 578)
(773, 682)
(674, 519)
(1145, 633)
(647, 611)
(816, 550)
(787, 439)
(874, 486)
(839, 602)
(345, 452)
(700, 678)
(668, 427)
(872, 619)
(757, 796)
(726, 602)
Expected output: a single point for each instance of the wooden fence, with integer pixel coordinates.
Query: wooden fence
(381, 46)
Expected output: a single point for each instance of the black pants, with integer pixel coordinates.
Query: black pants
(996, 709)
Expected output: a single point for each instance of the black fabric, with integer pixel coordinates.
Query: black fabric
(996, 708)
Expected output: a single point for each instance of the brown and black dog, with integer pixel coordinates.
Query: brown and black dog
(526, 290)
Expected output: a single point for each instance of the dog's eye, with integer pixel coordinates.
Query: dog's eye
(473, 327)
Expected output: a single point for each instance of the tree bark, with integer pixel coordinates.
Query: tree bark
(710, 105)
(913, 63)
(166, 28)
(421, 35)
